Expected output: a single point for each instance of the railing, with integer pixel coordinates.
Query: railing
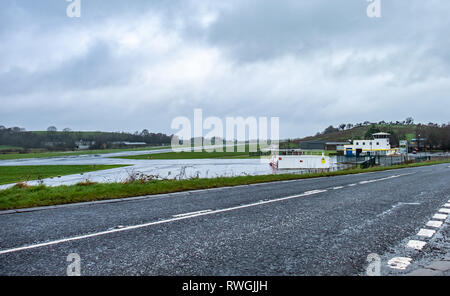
(383, 160)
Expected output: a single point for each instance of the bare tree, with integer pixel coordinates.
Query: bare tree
(409, 121)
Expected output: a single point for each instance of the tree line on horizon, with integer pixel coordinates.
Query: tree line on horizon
(53, 140)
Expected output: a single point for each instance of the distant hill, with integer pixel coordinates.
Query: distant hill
(404, 132)
(436, 136)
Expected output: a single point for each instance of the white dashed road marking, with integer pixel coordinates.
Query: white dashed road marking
(199, 214)
(440, 216)
(426, 232)
(415, 244)
(338, 187)
(444, 210)
(435, 224)
(404, 262)
(399, 263)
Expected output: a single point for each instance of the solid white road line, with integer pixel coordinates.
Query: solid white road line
(416, 244)
(447, 205)
(399, 263)
(192, 213)
(383, 179)
(158, 222)
(444, 210)
(426, 232)
(435, 224)
(440, 216)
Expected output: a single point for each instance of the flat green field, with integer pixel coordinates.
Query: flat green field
(198, 154)
(15, 174)
(26, 197)
(6, 147)
(71, 153)
(191, 155)
(205, 155)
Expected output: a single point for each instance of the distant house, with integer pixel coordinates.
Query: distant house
(131, 144)
(53, 143)
(335, 146)
(84, 145)
(323, 145)
(313, 145)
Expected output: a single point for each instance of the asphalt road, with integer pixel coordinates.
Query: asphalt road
(325, 226)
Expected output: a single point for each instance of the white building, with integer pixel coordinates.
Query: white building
(378, 146)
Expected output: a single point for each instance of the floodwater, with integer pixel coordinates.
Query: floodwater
(170, 169)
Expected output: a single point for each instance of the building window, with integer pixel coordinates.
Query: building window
(378, 143)
(357, 143)
(364, 143)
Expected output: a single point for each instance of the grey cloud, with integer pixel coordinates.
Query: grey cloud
(312, 63)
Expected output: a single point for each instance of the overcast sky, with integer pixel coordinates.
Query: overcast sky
(130, 65)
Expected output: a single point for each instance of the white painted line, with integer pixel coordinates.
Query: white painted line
(338, 187)
(158, 222)
(351, 185)
(440, 216)
(382, 179)
(447, 205)
(426, 232)
(444, 210)
(190, 214)
(435, 224)
(415, 244)
(399, 263)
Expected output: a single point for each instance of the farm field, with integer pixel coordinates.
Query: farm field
(14, 174)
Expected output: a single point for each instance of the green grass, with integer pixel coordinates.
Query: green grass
(190, 155)
(195, 155)
(6, 147)
(26, 197)
(71, 153)
(15, 174)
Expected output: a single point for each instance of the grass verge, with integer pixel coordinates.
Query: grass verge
(26, 197)
(14, 174)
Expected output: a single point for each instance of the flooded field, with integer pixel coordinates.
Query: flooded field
(169, 169)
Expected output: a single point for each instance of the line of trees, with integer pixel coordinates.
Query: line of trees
(67, 139)
(407, 122)
(435, 136)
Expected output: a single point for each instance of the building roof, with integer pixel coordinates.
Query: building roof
(382, 134)
(337, 143)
